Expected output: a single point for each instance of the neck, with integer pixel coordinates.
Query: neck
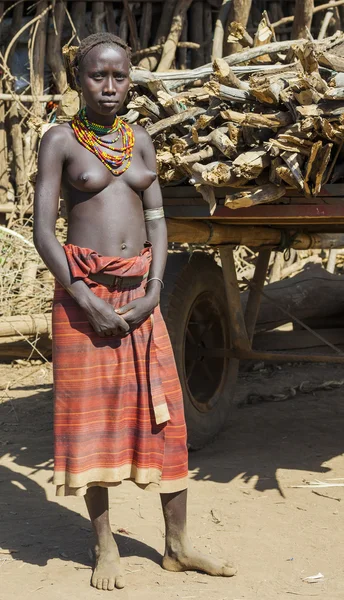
(106, 120)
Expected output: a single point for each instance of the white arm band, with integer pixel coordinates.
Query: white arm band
(153, 213)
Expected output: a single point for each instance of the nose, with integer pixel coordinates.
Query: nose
(109, 85)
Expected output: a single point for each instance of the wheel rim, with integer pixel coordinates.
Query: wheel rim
(206, 328)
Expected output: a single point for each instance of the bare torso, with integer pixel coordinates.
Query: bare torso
(105, 212)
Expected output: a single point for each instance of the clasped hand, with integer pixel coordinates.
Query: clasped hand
(120, 322)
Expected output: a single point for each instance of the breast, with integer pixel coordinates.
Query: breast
(139, 179)
(88, 174)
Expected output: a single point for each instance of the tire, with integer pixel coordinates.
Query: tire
(193, 304)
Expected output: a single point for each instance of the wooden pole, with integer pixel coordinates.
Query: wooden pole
(218, 41)
(239, 338)
(78, 15)
(134, 39)
(170, 45)
(196, 27)
(303, 18)
(37, 48)
(25, 325)
(4, 179)
(146, 24)
(98, 17)
(150, 62)
(215, 234)
(208, 31)
(54, 55)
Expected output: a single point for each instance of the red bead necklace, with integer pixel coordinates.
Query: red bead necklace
(86, 133)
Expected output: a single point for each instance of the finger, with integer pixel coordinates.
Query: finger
(124, 309)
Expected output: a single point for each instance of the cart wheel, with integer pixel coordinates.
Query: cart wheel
(194, 306)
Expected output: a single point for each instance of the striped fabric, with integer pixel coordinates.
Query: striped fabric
(118, 402)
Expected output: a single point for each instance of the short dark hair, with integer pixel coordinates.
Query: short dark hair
(95, 39)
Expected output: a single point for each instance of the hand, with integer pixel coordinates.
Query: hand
(103, 318)
(137, 311)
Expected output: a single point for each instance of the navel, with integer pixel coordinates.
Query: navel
(124, 246)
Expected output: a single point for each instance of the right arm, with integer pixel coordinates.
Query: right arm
(52, 155)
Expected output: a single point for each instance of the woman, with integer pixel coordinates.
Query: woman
(118, 403)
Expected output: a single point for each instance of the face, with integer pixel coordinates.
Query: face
(104, 79)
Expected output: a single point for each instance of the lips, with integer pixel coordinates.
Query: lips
(109, 102)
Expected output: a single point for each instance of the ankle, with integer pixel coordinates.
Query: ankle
(176, 545)
(105, 542)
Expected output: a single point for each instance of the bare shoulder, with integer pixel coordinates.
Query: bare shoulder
(57, 136)
(142, 138)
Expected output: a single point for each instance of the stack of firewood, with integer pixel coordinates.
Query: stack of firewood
(264, 119)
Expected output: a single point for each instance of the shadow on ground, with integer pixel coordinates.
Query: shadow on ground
(299, 434)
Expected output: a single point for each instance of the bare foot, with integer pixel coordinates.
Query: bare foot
(107, 572)
(188, 559)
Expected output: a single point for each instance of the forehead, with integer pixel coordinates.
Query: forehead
(106, 56)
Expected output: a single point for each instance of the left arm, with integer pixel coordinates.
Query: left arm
(138, 310)
(156, 229)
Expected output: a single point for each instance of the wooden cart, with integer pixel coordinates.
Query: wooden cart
(201, 303)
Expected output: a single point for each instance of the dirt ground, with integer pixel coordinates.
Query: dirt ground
(242, 503)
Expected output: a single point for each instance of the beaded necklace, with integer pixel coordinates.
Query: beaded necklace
(87, 134)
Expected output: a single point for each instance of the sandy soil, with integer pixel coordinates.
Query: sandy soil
(242, 503)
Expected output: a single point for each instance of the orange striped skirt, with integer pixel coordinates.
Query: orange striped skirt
(118, 407)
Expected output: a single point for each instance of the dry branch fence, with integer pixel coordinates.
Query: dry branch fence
(233, 92)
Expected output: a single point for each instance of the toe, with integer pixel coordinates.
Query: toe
(120, 582)
(111, 584)
(229, 571)
(105, 584)
(99, 585)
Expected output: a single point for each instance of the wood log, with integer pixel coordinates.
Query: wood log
(332, 61)
(217, 138)
(250, 164)
(225, 75)
(239, 12)
(170, 45)
(237, 32)
(293, 161)
(190, 113)
(227, 93)
(264, 35)
(258, 195)
(221, 174)
(146, 107)
(271, 120)
(188, 159)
